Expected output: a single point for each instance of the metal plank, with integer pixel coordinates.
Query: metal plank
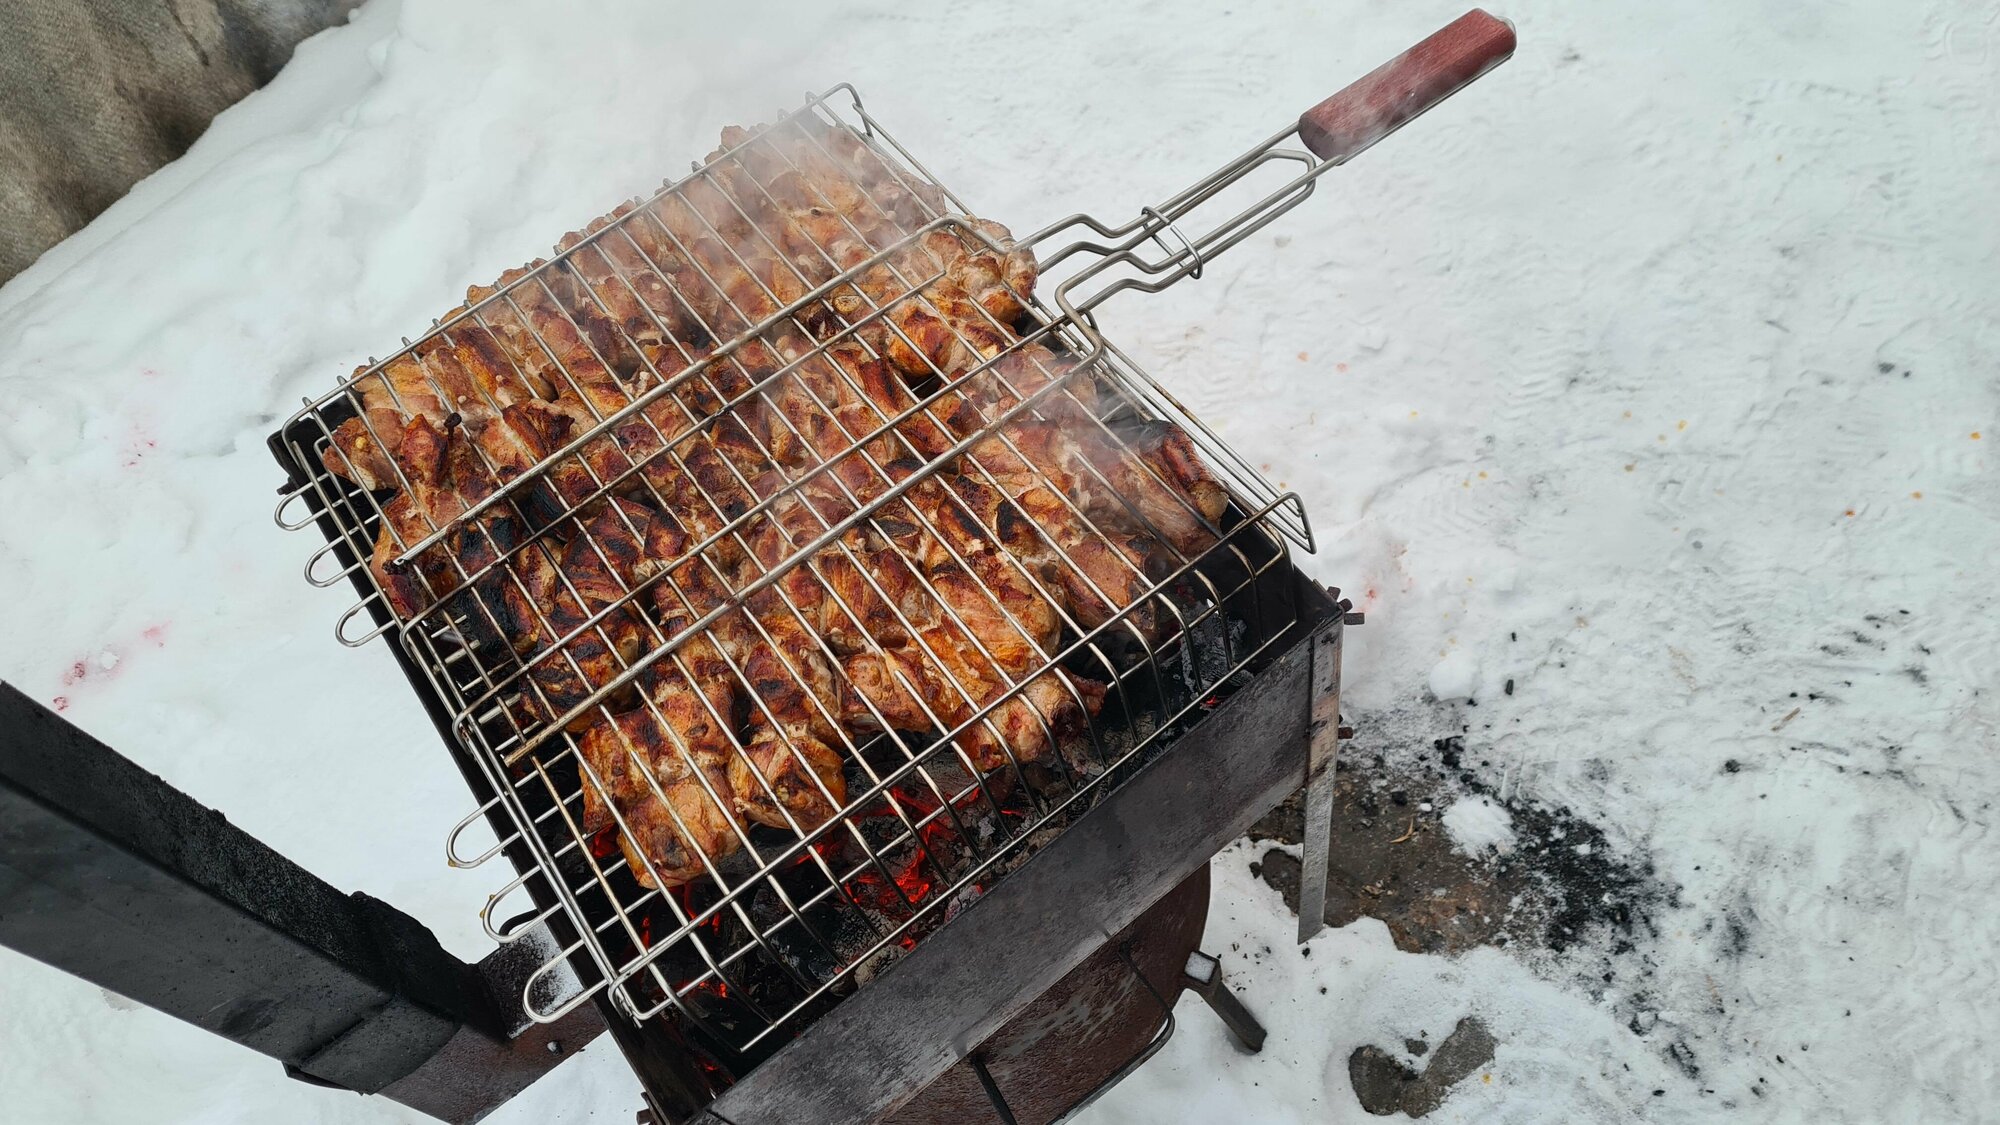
(110, 874)
(1322, 752)
(889, 1040)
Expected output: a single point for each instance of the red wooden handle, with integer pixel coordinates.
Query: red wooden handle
(1394, 93)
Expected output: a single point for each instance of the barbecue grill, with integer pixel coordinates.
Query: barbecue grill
(890, 920)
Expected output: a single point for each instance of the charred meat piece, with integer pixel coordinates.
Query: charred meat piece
(893, 690)
(976, 630)
(787, 766)
(522, 436)
(982, 629)
(1149, 479)
(462, 374)
(399, 393)
(808, 173)
(819, 215)
(790, 771)
(666, 765)
(662, 770)
(443, 478)
(1030, 722)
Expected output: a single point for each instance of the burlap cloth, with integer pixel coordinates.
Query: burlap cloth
(95, 94)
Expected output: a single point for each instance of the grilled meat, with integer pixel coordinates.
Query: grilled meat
(443, 478)
(577, 597)
(457, 375)
(980, 636)
(662, 770)
(1099, 577)
(697, 522)
(979, 293)
(787, 765)
(790, 771)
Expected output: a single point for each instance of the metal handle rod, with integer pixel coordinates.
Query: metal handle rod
(1334, 131)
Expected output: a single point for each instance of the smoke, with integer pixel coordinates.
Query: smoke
(562, 111)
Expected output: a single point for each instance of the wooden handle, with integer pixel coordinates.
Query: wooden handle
(1394, 93)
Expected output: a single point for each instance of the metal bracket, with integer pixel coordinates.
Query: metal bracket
(109, 873)
(1001, 1109)
(1203, 977)
(1324, 733)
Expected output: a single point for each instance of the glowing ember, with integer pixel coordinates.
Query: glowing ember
(910, 882)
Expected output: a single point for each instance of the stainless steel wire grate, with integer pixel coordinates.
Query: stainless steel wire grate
(794, 464)
(789, 571)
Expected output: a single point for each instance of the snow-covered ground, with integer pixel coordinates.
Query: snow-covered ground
(1653, 375)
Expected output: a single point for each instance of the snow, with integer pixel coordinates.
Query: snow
(1476, 824)
(1557, 1060)
(1651, 376)
(1455, 677)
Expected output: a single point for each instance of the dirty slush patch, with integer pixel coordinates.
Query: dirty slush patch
(1564, 898)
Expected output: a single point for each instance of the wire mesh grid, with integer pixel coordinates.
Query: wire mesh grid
(768, 700)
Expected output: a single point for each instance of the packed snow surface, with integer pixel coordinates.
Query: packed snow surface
(1644, 397)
